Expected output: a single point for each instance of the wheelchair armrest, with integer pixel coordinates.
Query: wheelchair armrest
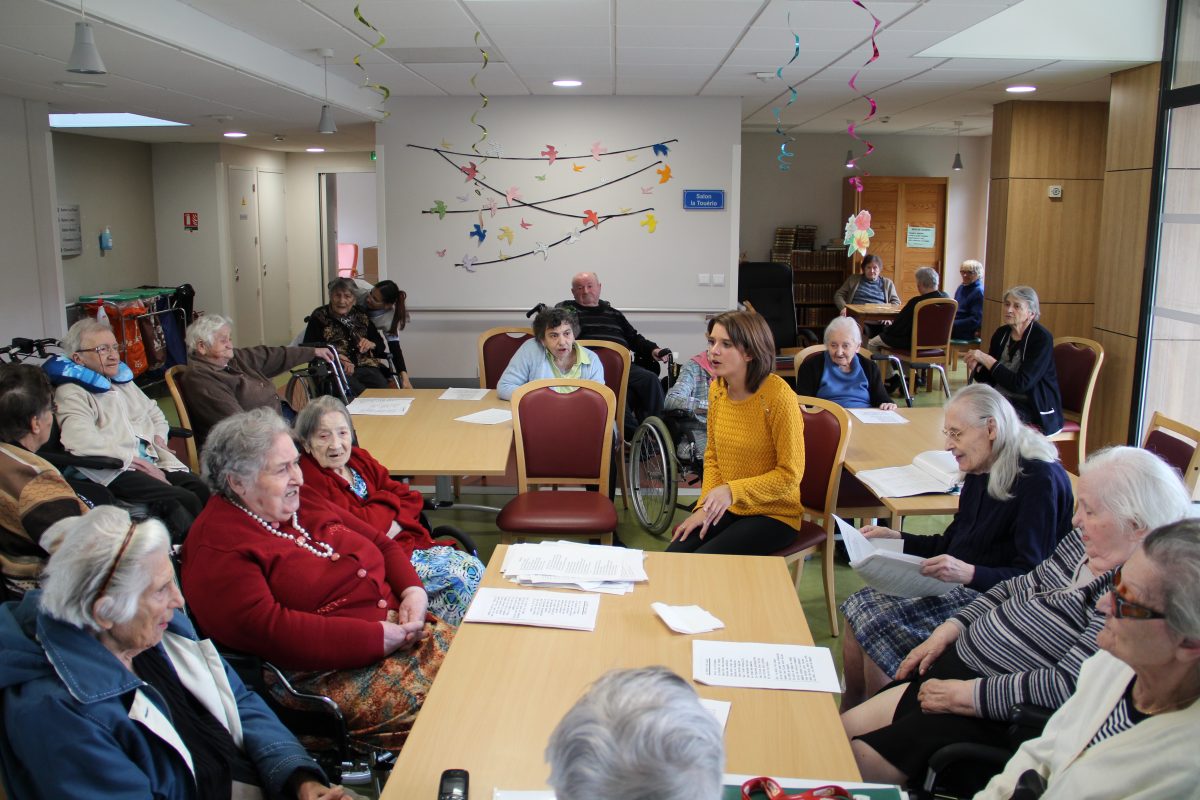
(465, 542)
(1027, 721)
(962, 769)
(62, 459)
(179, 433)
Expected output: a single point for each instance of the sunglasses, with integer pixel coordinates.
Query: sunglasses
(1127, 609)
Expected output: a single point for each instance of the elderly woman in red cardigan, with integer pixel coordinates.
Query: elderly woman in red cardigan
(332, 602)
(339, 473)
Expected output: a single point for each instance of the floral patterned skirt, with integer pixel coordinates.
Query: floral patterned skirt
(450, 577)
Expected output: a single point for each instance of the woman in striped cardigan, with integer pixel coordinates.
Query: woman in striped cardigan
(1024, 640)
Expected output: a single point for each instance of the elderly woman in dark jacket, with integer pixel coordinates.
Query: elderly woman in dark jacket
(347, 326)
(841, 374)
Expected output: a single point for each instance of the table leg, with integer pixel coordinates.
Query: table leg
(443, 497)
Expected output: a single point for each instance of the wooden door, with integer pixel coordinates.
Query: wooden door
(903, 212)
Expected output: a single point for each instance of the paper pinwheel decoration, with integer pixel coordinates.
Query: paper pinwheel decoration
(858, 233)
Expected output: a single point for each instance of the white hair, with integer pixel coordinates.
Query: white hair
(972, 266)
(1026, 296)
(83, 550)
(637, 734)
(239, 446)
(1174, 550)
(72, 343)
(1014, 440)
(205, 329)
(1140, 489)
(927, 276)
(851, 327)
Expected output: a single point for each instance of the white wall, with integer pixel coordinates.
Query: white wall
(357, 222)
(189, 177)
(810, 192)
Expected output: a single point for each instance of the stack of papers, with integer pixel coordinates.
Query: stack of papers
(573, 565)
(687, 619)
(575, 612)
(380, 406)
(884, 565)
(754, 665)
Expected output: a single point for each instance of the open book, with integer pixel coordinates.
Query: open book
(931, 472)
(883, 566)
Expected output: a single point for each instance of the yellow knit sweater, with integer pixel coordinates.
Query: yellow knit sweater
(757, 447)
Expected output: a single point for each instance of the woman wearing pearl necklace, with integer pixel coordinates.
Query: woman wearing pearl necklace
(328, 599)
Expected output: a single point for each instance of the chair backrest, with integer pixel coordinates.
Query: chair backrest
(616, 359)
(191, 457)
(933, 321)
(1077, 362)
(347, 256)
(563, 438)
(816, 350)
(1168, 439)
(496, 348)
(826, 437)
(768, 286)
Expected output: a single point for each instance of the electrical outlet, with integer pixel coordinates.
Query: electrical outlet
(703, 279)
(1055, 192)
(718, 279)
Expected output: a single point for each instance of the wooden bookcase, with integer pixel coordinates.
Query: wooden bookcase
(816, 275)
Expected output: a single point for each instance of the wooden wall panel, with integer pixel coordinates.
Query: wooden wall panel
(1122, 234)
(1052, 245)
(997, 225)
(1111, 403)
(1133, 106)
(1061, 319)
(1002, 121)
(1057, 140)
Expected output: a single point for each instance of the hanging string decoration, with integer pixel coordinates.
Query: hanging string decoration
(856, 180)
(484, 131)
(785, 156)
(383, 91)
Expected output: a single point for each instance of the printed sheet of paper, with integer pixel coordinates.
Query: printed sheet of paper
(756, 665)
(718, 708)
(380, 406)
(532, 607)
(883, 566)
(489, 416)
(873, 416)
(463, 394)
(574, 562)
(687, 619)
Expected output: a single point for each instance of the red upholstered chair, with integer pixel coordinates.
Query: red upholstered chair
(616, 359)
(1178, 445)
(933, 321)
(496, 348)
(1077, 363)
(562, 440)
(826, 435)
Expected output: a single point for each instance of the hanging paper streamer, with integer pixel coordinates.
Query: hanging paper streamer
(858, 233)
(855, 179)
(383, 91)
(484, 135)
(784, 155)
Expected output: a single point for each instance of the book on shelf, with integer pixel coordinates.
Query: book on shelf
(931, 472)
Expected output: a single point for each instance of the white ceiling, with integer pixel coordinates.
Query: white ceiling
(255, 61)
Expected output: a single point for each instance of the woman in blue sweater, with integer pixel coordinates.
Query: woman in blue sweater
(969, 295)
(551, 353)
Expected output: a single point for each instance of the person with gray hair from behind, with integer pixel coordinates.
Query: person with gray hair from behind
(637, 734)
(898, 335)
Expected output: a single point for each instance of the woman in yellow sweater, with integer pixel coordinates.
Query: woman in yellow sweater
(750, 500)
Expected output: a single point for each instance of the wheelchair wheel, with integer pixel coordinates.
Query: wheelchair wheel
(653, 475)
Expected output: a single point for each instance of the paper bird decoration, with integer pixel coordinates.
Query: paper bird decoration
(597, 150)
(550, 153)
(540, 177)
(503, 257)
(858, 233)
(573, 236)
(439, 208)
(649, 223)
(440, 253)
(490, 205)
(543, 249)
(661, 150)
(446, 144)
(631, 157)
(513, 193)
(578, 167)
(495, 149)
(647, 190)
(664, 173)
(505, 233)
(626, 210)
(468, 263)
(470, 171)
(480, 232)
(525, 225)
(462, 198)
(592, 217)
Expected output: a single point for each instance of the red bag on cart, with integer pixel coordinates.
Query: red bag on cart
(122, 317)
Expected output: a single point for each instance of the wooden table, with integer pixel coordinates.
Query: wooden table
(872, 312)
(503, 688)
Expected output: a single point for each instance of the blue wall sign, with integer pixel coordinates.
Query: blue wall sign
(704, 199)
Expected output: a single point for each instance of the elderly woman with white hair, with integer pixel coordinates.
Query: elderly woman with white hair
(1129, 731)
(108, 693)
(1023, 641)
(1014, 508)
(637, 734)
(221, 381)
(969, 296)
(842, 374)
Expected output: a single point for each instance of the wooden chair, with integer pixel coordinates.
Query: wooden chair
(933, 320)
(496, 348)
(826, 436)
(1178, 445)
(192, 458)
(562, 440)
(1077, 362)
(616, 359)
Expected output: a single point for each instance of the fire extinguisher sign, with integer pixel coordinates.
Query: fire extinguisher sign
(191, 220)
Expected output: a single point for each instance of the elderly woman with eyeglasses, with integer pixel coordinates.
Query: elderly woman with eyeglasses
(339, 474)
(1014, 507)
(1129, 731)
(1023, 641)
(330, 600)
(346, 326)
(108, 693)
(969, 296)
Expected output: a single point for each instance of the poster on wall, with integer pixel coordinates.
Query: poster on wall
(70, 232)
(922, 238)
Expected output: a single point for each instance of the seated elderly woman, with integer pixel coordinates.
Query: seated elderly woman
(101, 412)
(843, 375)
(33, 494)
(385, 305)
(1024, 640)
(107, 692)
(1019, 362)
(221, 381)
(551, 353)
(348, 328)
(338, 473)
(687, 402)
(1129, 731)
(1015, 506)
(969, 296)
(333, 602)
(637, 733)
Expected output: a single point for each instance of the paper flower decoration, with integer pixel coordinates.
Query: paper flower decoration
(858, 233)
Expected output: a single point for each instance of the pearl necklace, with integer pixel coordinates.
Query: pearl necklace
(326, 550)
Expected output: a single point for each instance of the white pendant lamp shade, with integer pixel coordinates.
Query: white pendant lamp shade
(326, 124)
(85, 58)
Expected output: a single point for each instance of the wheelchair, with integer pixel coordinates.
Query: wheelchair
(661, 452)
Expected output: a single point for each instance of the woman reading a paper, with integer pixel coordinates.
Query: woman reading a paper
(1015, 506)
(1025, 640)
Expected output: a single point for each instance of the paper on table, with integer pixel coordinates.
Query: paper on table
(687, 619)
(509, 794)
(874, 416)
(489, 416)
(593, 563)
(380, 406)
(463, 394)
(756, 665)
(883, 567)
(718, 708)
(931, 472)
(532, 607)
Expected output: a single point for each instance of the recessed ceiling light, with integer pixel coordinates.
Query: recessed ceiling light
(81, 84)
(234, 135)
(567, 83)
(113, 120)
(1021, 89)
(314, 149)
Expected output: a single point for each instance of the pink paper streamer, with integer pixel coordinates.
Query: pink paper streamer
(856, 180)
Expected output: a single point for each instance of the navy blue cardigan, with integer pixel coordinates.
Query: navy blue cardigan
(1037, 379)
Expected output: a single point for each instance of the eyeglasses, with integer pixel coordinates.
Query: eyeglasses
(952, 434)
(116, 561)
(101, 351)
(1127, 609)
